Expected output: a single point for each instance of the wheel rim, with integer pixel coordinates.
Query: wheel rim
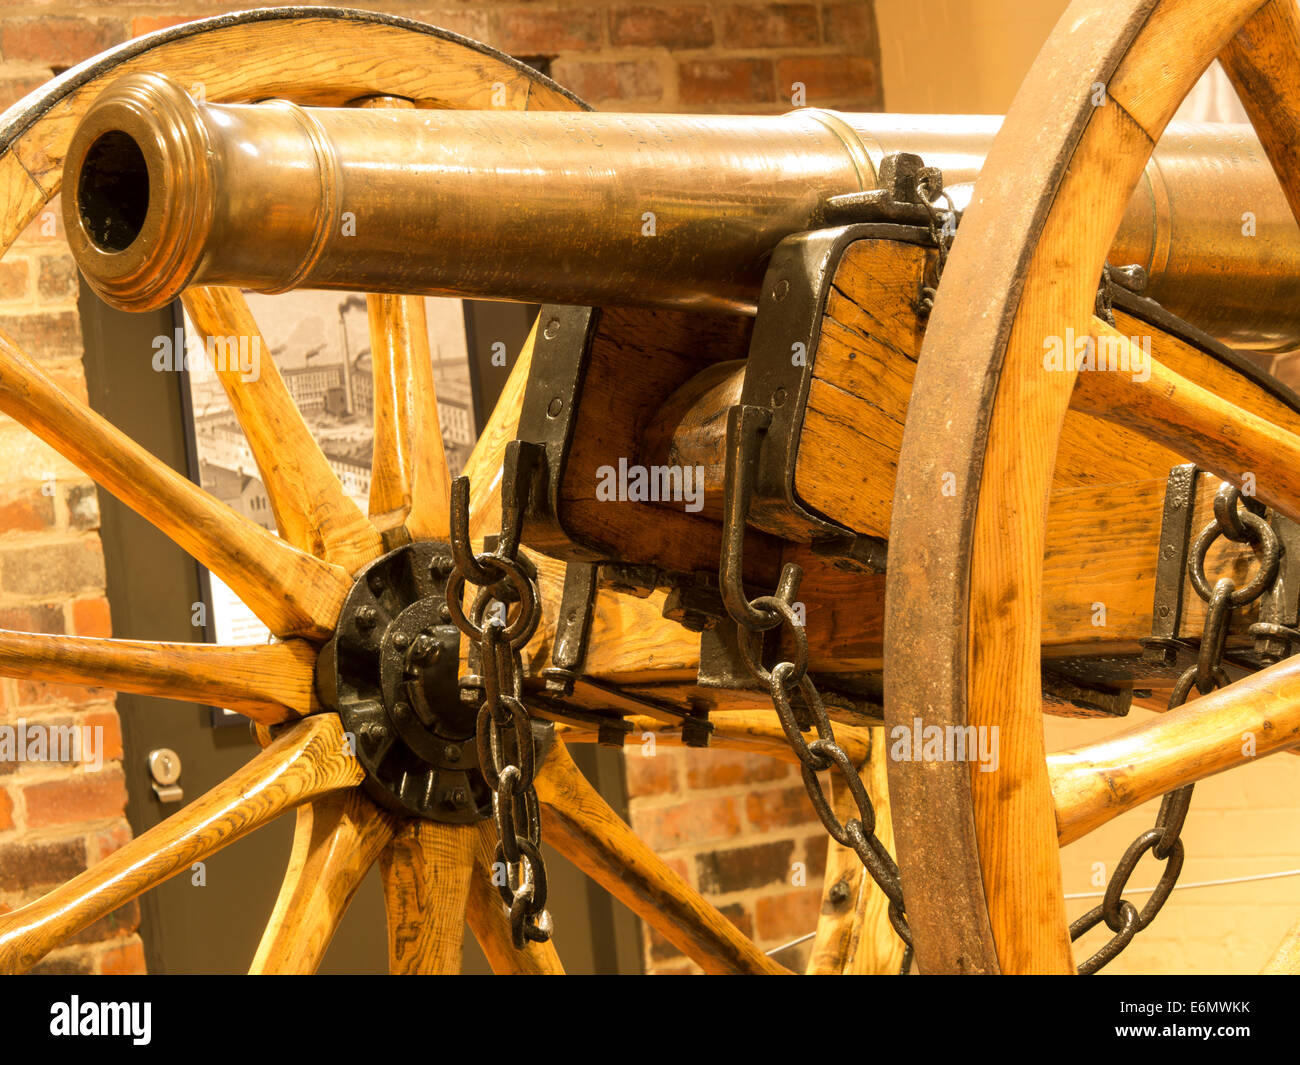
(979, 856)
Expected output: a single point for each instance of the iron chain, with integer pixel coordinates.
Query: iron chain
(800, 709)
(1205, 675)
(502, 619)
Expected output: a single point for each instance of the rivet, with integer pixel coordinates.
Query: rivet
(554, 407)
(552, 329)
(780, 290)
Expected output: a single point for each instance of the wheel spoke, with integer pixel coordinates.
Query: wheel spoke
(409, 483)
(490, 923)
(311, 509)
(292, 592)
(1286, 959)
(854, 934)
(268, 683)
(1253, 717)
(1263, 63)
(426, 869)
(335, 842)
(309, 760)
(483, 467)
(582, 827)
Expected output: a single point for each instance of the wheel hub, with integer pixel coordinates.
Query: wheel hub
(390, 671)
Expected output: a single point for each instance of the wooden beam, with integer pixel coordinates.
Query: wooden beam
(1256, 716)
(490, 923)
(310, 760)
(335, 842)
(426, 870)
(1194, 421)
(268, 683)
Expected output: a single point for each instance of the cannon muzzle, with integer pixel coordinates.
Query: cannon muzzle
(162, 192)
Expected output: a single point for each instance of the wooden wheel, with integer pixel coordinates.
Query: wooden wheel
(978, 852)
(435, 875)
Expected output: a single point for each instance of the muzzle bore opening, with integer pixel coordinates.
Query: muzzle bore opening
(113, 191)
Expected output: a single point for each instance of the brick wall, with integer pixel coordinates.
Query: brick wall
(737, 827)
(57, 817)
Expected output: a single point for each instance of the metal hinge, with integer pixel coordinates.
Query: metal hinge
(1276, 633)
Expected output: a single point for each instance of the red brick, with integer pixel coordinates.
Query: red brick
(104, 842)
(51, 569)
(475, 25)
(661, 27)
(14, 87)
(654, 775)
(47, 335)
(829, 78)
(788, 915)
(814, 856)
(28, 510)
(547, 32)
(70, 376)
(124, 960)
(46, 227)
(720, 81)
(851, 25)
(58, 41)
(14, 277)
(31, 694)
(767, 810)
(722, 769)
(91, 617)
(625, 80)
(83, 503)
(722, 871)
(108, 733)
(84, 797)
(679, 866)
(25, 864)
(47, 618)
(149, 23)
(698, 821)
(6, 810)
(769, 25)
(57, 279)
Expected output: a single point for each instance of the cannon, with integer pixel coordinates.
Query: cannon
(864, 440)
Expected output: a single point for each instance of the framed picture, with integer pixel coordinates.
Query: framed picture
(320, 343)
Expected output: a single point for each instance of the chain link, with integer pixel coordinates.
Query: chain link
(502, 619)
(943, 230)
(1205, 675)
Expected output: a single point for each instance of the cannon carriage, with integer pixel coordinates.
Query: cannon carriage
(831, 437)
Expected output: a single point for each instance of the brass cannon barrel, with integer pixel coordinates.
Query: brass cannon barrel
(669, 210)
